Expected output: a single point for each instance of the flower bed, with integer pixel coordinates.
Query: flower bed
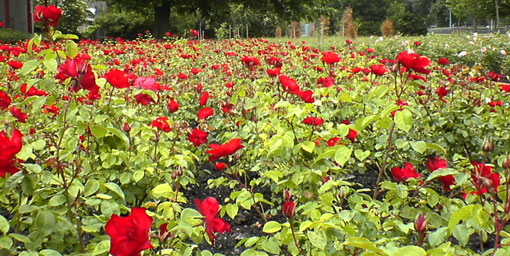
(246, 147)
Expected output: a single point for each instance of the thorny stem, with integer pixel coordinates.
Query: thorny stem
(294, 237)
(257, 209)
(382, 168)
(110, 98)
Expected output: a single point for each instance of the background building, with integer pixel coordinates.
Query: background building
(17, 15)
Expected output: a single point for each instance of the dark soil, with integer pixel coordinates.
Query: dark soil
(248, 223)
(245, 225)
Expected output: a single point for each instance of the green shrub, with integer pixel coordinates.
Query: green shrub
(9, 35)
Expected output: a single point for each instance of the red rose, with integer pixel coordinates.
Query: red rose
(205, 113)
(441, 92)
(250, 61)
(313, 121)
(378, 69)
(307, 96)
(203, 98)
(16, 112)
(209, 209)
(8, 150)
(484, 179)
(404, 174)
(505, 87)
(49, 14)
(226, 149)
(437, 163)
(352, 135)
(443, 61)
(162, 124)
(172, 106)
(330, 57)
(50, 109)
(414, 61)
(197, 137)
(226, 107)
(129, 235)
(220, 166)
(494, 76)
(15, 64)
(143, 99)
(117, 78)
(326, 81)
(5, 100)
(273, 72)
(80, 71)
(289, 84)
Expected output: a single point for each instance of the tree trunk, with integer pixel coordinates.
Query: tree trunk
(161, 18)
(496, 9)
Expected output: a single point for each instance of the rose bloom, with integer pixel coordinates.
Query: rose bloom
(129, 235)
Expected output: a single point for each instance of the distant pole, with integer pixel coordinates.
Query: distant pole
(450, 17)
(496, 8)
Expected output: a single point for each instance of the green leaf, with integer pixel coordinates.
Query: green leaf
(98, 131)
(437, 148)
(25, 153)
(441, 172)
(120, 135)
(271, 227)
(138, 175)
(101, 248)
(271, 246)
(115, 189)
(91, 187)
(20, 237)
(438, 237)
(4, 225)
(378, 92)
(308, 146)
(29, 66)
(57, 200)
(318, 238)
(419, 146)
(49, 252)
(50, 64)
(163, 190)
(45, 222)
(342, 155)
(39, 145)
(462, 234)
(363, 243)
(460, 215)
(410, 250)
(404, 120)
(6, 242)
(361, 155)
(71, 49)
(232, 210)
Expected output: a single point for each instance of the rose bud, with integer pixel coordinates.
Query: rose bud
(287, 195)
(288, 209)
(420, 225)
(126, 127)
(487, 145)
(506, 162)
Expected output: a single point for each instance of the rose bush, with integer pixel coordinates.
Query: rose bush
(350, 151)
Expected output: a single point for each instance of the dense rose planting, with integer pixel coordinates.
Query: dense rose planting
(393, 150)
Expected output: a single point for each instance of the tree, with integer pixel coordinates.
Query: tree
(476, 10)
(162, 9)
(368, 16)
